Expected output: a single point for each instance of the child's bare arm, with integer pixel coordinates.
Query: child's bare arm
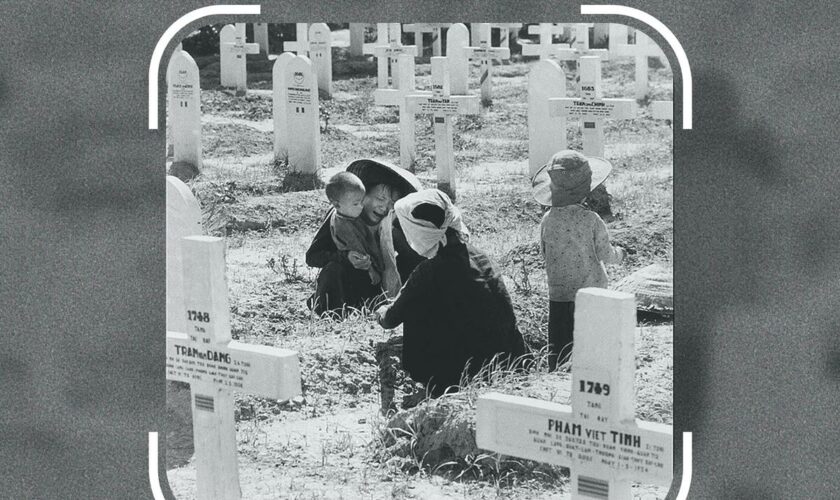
(606, 252)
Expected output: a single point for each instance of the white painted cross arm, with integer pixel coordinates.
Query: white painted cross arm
(616, 109)
(549, 432)
(261, 370)
(424, 103)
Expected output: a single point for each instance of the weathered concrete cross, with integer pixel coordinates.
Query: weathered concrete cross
(205, 357)
(301, 43)
(442, 106)
(579, 45)
(591, 108)
(485, 53)
(598, 436)
(546, 46)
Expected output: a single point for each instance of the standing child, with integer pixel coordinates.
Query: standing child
(574, 241)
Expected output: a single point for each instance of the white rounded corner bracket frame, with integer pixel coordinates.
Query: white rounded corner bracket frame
(668, 35)
(171, 31)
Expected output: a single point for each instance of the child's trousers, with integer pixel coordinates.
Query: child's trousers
(561, 325)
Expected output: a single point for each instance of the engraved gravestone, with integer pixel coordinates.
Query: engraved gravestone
(591, 108)
(204, 356)
(300, 107)
(598, 437)
(184, 96)
(388, 49)
(320, 53)
(281, 134)
(457, 57)
(261, 37)
(232, 57)
(183, 218)
(442, 106)
(546, 133)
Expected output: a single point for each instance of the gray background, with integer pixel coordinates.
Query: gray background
(757, 355)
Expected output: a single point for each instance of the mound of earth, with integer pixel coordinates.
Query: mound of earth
(653, 287)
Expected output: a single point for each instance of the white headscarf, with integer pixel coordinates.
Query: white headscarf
(422, 235)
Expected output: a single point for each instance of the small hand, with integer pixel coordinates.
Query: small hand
(380, 313)
(359, 260)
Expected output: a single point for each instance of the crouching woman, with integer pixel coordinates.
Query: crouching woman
(454, 307)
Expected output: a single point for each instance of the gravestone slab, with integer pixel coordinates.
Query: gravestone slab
(591, 108)
(184, 96)
(442, 106)
(598, 436)
(303, 142)
(183, 218)
(457, 57)
(546, 133)
(281, 134)
(320, 52)
(205, 357)
(261, 37)
(232, 60)
(357, 39)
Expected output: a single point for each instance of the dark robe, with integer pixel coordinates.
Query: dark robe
(454, 308)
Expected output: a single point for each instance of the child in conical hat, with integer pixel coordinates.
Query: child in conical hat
(573, 240)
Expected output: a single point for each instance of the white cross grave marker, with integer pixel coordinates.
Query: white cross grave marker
(545, 47)
(387, 51)
(546, 134)
(397, 97)
(434, 28)
(297, 102)
(458, 59)
(381, 39)
(184, 108)
(205, 357)
(485, 53)
(618, 36)
(301, 43)
(598, 436)
(320, 53)
(504, 32)
(232, 60)
(579, 45)
(281, 134)
(183, 218)
(641, 51)
(591, 108)
(261, 36)
(442, 106)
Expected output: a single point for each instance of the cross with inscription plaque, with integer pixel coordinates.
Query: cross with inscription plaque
(485, 54)
(205, 357)
(232, 57)
(386, 52)
(397, 97)
(442, 106)
(598, 436)
(420, 28)
(643, 49)
(591, 108)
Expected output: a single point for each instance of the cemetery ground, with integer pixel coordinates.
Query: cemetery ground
(331, 442)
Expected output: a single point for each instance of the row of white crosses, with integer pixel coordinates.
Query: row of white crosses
(597, 437)
(577, 48)
(641, 50)
(200, 351)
